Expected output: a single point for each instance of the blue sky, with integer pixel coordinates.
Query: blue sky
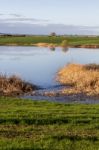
(44, 16)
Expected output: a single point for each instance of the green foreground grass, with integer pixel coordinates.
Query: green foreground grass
(30, 40)
(32, 125)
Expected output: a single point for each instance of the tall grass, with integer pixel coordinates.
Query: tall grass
(14, 85)
(82, 78)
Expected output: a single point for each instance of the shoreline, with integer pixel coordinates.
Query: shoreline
(52, 45)
(51, 41)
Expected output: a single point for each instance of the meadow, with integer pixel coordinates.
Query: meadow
(73, 41)
(35, 125)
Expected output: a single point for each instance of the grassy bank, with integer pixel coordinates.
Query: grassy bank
(26, 124)
(30, 40)
(73, 41)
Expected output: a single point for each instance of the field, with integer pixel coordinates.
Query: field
(74, 41)
(32, 125)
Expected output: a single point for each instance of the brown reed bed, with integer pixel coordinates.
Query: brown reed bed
(14, 85)
(81, 79)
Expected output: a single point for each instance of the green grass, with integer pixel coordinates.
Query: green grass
(32, 125)
(30, 40)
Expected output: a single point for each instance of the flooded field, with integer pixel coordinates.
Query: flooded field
(39, 65)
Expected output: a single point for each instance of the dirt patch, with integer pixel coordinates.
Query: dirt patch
(42, 44)
(50, 45)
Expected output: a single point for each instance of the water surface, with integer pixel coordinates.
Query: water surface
(40, 65)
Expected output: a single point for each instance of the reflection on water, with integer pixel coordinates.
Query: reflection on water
(39, 65)
(65, 49)
(52, 48)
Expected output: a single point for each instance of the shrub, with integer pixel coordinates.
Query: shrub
(64, 43)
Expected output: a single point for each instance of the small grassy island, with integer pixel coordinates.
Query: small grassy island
(82, 79)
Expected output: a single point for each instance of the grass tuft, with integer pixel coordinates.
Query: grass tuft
(81, 78)
(14, 86)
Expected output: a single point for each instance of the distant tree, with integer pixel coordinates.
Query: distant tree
(53, 34)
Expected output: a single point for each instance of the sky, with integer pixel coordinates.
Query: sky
(46, 16)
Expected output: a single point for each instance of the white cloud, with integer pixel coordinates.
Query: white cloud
(14, 18)
(16, 23)
(15, 15)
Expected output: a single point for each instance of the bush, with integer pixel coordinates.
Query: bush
(64, 43)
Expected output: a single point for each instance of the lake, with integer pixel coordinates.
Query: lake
(39, 65)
